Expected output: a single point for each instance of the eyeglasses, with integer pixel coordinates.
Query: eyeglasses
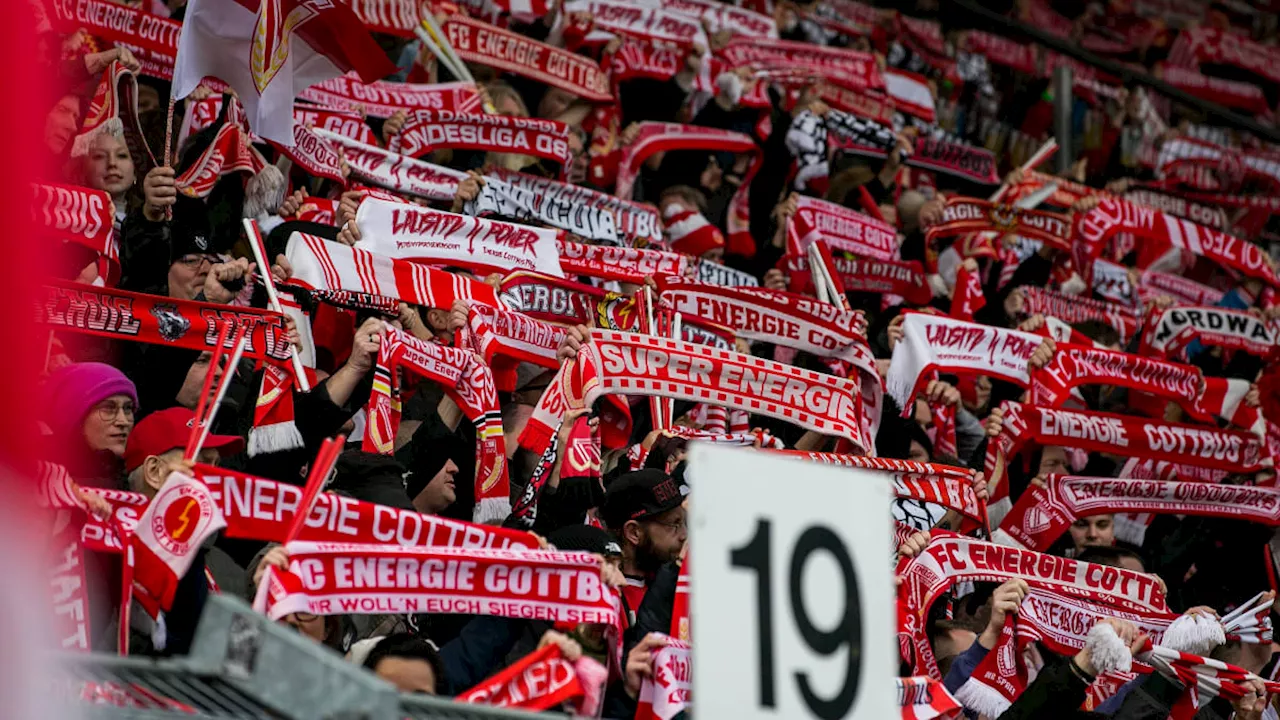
(108, 411)
(194, 261)
(676, 526)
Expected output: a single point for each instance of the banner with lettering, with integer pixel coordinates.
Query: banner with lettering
(75, 214)
(480, 42)
(964, 215)
(384, 98)
(412, 232)
(637, 224)
(396, 172)
(668, 690)
(1076, 365)
(503, 200)
(841, 228)
(1171, 330)
(429, 130)
(541, 680)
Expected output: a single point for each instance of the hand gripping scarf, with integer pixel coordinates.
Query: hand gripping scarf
(622, 264)
(630, 364)
(120, 315)
(505, 338)
(1042, 514)
(154, 39)
(923, 698)
(1202, 678)
(655, 137)
(170, 532)
(498, 198)
(1163, 233)
(326, 267)
(1173, 329)
(382, 99)
(863, 137)
(1073, 310)
(1075, 365)
(964, 215)
(638, 225)
(668, 690)
(541, 680)
(230, 152)
(396, 172)
(429, 130)
(482, 43)
(639, 20)
(469, 383)
(872, 276)
(364, 579)
(412, 232)
(842, 228)
(1230, 450)
(932, 343)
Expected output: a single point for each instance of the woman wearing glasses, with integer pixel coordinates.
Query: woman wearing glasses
(88, 410)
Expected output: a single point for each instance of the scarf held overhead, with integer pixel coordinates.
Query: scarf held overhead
(842, 228)
(396, 172)
(428, 130)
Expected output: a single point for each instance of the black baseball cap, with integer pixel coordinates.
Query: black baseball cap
(584, 538)
(639, 495)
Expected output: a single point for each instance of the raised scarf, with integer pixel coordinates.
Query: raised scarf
(655, 137)
(1042, 514)
(382, 99)
(1231, 450)
(57, 492)
(1173, 329)
(1208, 45)
(967, 297)
(421, 234)
(230, 152)
(932, 343)
(325, 266)
(689, 232)
(627, 363)
(340, 578)
(555, 300)
(635, 224)
(1203, 679)
(923, 698)
(498, 198)
(638, 20)
(346, 123)
(1206, 165)
(964, 215)
(848, 68)
(842, 228)
(469, 383)
(909, 92)
(76, 214)
(538, 681)
(622, 264)
(394, 17)
(1163, 233)
(394, 171)
(1153, 283)
(479, 42)
(863, 137)
(121, 315)
(1076, 365)
(1209, 215)
(668, 690)
(861, 104)
(1000, 50)
(428, 130)
(505, 338)
(314, 154)
(153, 38)
(170, 532)
(719, 16)
(113, 110)
(636, 59)
(871, 276)
(1074, 309)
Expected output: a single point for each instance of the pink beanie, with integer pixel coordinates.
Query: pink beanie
(71, 391)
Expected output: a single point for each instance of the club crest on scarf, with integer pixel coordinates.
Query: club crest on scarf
(181, 514)
(270, 46)
(170, 322)
(616, 312)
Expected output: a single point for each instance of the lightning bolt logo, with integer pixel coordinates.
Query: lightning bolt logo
(185, 517)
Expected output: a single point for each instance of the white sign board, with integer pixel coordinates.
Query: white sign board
(792, 607)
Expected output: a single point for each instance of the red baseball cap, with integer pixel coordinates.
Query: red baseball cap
(166, 430)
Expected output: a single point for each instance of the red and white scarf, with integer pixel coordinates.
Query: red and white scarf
(230, 152)
(910, 93)
(719, 16)
(637, 224)
(1076, 365)
(541, 680)
(482, 43)
(1042, 514)
(1000, 50)
(965, 215)
(842, 228)
(364, 579)
(859, 103)
(923, 698)
(967, 297)
(153, 39)
(383, 98)
(344, 123)
(325, 266)
(635, 59)
(1173, 329)
(667, 691)
(1073, 309)
(396, 172)
(505, 338)
(1209, 45)
(429, 130)
(655, 137)
(1209, 215)
(556, 300)
(76, 214)
(1231, 450)
(420, 234)
(314, 154)
(1153, 283)
(631, 364)
(114, 111)
(689, 232)
(639, 20)
(67, 586)
(469, 383)
(848, 68)
(500, 199)
(932, 343)
(872, 276)
(169, 534)
(121, 315)
(622, 264)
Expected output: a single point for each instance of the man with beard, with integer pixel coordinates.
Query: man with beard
(644, 510)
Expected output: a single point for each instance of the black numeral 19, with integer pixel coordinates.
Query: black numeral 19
(846, 634)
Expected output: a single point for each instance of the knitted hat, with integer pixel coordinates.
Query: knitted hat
(689, 232)
(71, 391)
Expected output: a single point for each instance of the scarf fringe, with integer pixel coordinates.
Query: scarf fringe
(982, 699)
(493, 509)
(264, 192)
(1107, 651)
(277, 437)
(113, 127)
(1195, 634)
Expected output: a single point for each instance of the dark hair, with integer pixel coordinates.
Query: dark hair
(1098, 332)
(411, 647)
(1102, 555)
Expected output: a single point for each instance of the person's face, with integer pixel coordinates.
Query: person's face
(109, 166)
(661, 538)
(554, 102)
(309, 625)
(61, 123)
(187, 275)
(440, 492)
(156, 468)
(1093, 531)
(409, 675)
(107, 425)
(189, 394)
(1053, 461)
(1131, 563)
(917, 453)
(580, 162)
(508, 105)
(924, 416)
(148, 98)
(982, 387)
